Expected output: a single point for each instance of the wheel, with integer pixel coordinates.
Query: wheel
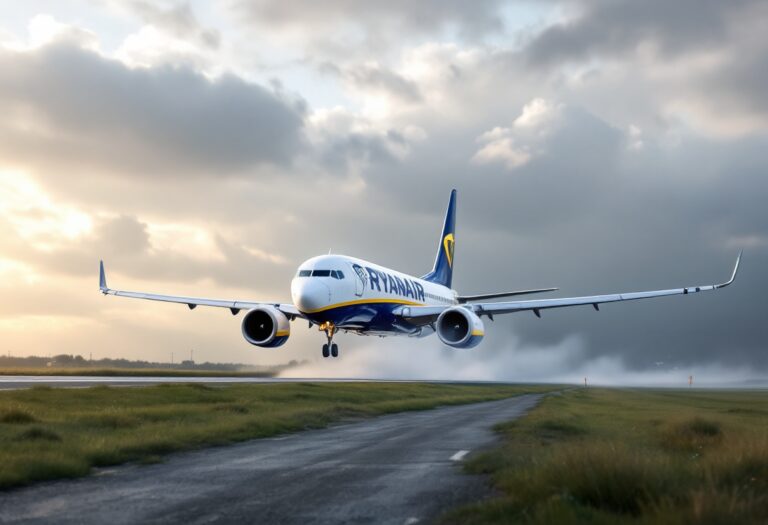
(335, 350)
(325, 351)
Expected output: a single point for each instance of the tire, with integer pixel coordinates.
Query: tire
(326, 353)
(335, 350)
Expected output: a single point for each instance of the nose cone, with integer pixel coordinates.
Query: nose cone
(310, 294)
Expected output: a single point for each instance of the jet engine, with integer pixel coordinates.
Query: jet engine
(460, 328)
(266, 326)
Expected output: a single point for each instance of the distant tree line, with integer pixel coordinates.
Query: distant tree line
(78, 361)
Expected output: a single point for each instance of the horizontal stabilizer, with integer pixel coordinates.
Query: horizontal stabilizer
(468, 298)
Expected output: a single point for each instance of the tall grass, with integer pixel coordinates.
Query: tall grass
(16, 416)
(48, 433)
(620, 456)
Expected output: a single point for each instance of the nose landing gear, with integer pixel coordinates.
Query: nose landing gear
(331, 348)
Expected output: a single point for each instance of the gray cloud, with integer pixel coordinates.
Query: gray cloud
(476, 19)
(178, 19)
(742, 81)
(610, 28)
(377, 78)
(147, 121)
(707, 57)
(340, 150)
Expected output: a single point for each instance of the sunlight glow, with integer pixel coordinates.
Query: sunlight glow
(35, 217)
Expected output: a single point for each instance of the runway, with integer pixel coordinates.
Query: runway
(397, 469)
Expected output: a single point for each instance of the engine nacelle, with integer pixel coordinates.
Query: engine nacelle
(266, 326)
(460, 328)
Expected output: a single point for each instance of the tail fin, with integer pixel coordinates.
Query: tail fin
(442, 273)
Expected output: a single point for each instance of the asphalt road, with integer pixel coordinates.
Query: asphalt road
(397, 469)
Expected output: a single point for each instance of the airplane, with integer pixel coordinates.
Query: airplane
(341, 293)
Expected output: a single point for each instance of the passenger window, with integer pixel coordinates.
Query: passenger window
(305, 273)
(321, 273)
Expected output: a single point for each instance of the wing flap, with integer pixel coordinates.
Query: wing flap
(470, 298)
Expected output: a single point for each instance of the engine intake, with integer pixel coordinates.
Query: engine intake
(266, 326)
(460, 328)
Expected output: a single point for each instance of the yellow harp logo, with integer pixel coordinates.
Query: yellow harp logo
(448, 245)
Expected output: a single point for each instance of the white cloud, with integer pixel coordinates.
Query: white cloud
(635, 138)
(150, 47)
(184, 239)
(17, 271)
(44, 29)
(515, 146)
(538, 115)
(503, 150)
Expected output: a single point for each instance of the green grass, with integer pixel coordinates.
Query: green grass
(630, 456)
(139, 372)
(48, 433)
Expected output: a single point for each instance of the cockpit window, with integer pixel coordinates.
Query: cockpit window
(336, 274)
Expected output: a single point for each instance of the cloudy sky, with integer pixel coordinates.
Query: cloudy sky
(207, 148)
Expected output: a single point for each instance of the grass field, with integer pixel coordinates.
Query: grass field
(50, 433)
(630, 456)
(130, 372)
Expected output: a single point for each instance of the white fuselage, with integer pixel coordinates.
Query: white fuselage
(358, 295)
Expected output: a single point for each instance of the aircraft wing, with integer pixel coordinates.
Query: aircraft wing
(430, 313)
(192, 302)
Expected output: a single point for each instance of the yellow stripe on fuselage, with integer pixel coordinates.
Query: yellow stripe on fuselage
(364, 301)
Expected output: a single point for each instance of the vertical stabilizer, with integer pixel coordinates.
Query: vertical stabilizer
(442, 273)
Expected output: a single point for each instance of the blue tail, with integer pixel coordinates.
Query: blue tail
(442, 273)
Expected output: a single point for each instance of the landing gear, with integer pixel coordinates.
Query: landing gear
(330, 348)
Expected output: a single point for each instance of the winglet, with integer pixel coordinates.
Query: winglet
(733, 275)
(102, 278)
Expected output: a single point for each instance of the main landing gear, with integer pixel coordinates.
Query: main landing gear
(331, 348)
